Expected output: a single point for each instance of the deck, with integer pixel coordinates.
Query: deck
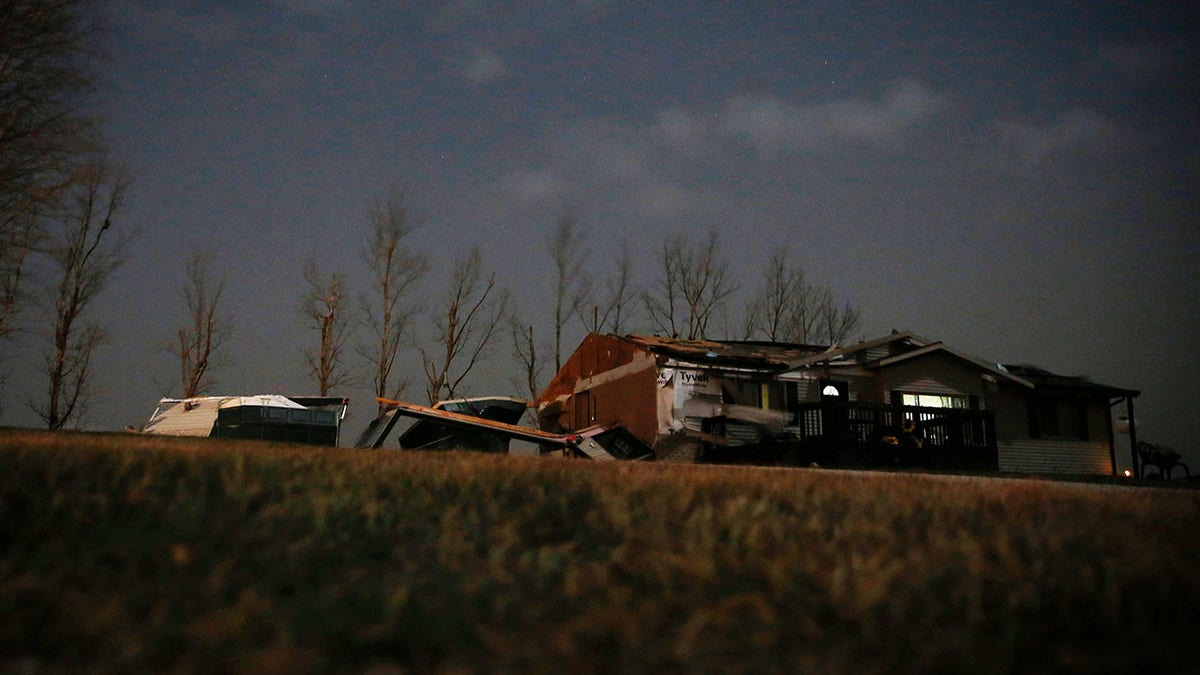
(863, 435)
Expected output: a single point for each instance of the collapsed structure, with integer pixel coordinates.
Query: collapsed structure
(313, 420)
(489, 424)
(897, 400)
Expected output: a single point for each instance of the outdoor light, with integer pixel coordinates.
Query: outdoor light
(1128, 473)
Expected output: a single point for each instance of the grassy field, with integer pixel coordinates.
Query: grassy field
(127, 553)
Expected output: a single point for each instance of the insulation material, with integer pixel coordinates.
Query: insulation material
(666, 402)
(697, 395)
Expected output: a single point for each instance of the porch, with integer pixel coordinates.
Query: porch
(837, 434)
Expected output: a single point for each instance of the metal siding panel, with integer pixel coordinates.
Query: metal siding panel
(932, 374)
(1051, 456)
(1020, 453)
(742, 434)
(808, 390)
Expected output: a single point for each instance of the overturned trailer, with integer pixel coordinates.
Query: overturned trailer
(312, 420)
(489, 425)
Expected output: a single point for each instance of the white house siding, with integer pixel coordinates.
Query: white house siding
(1034, 455)
(932, 374)
(807, 390)
(1020, 453)
(808, 385)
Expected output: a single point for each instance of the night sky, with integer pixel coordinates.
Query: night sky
(1018, 180)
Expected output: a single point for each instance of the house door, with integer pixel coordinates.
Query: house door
(583, 410)
(835, 391)
(835, 416)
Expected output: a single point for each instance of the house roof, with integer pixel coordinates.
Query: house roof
(1046, 380)
(937, 347)
(765, 356)
(859, 352)
(891, 349)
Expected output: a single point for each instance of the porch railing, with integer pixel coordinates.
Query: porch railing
(857, 434)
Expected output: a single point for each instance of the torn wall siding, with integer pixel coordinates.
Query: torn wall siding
(694, 396)
(650, 386)
(606, 380)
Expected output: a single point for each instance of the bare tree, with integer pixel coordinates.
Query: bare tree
(615, 311)
(787, 308)
(572, 285)
(395, 272)
(660, 301)
(693, 287)
(17, 241)
(324, 313)
(838, 322)
(524, 350)
(83, 253)
(464, 327)
(197, 344)
(44, 136)
(16, 244)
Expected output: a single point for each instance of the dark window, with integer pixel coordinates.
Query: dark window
(1051, 417)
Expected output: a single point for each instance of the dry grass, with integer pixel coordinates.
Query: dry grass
(130, 553)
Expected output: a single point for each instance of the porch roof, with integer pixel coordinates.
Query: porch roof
(1043, 379)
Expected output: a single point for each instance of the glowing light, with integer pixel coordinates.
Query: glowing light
(1128, 473)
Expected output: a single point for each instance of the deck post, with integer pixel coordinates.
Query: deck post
(1137, 470)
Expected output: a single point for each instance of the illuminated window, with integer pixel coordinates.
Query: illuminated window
(936, 401)
(830, 390)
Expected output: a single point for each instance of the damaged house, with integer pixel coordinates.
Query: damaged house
(899, 400)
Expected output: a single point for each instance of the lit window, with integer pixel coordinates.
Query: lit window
(936, 401)
(830, 390)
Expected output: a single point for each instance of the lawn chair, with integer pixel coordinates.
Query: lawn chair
(1162, 458)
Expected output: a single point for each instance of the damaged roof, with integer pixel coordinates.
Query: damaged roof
(775, 356)
(767, 356)
(880, 352)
